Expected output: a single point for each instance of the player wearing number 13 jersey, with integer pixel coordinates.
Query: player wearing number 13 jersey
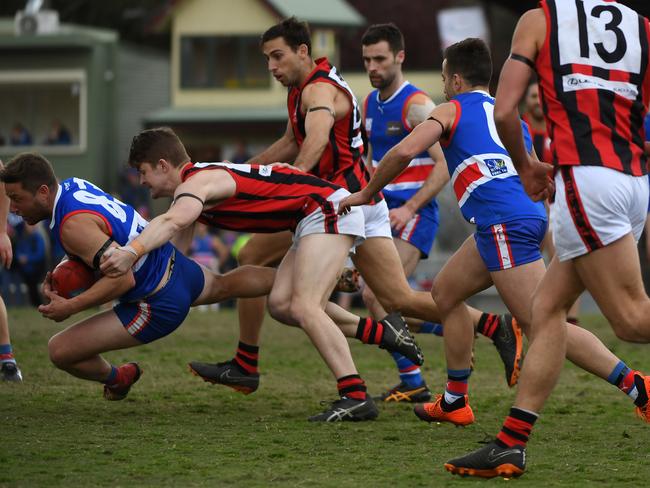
(154, 297)
(591, 59)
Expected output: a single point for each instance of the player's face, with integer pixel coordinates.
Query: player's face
(154, 178)
(532, 102)
(447, 82)
(381, 64)
(31, 207)
(282, 61)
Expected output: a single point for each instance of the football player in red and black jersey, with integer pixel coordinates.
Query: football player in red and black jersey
(591, 59)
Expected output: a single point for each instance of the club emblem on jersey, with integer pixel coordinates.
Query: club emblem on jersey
(368, 124)
(266, 170)
(393, 128)
(496, 166)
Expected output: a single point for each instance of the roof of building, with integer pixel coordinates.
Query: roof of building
(328, 12)
(66, 35)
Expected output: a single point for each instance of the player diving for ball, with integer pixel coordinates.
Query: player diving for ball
(153, 298)
(267, 199)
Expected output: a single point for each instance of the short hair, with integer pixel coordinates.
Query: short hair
(293, 31)
(31, 170)
(471, 59)
(384, 32)
(151, 145)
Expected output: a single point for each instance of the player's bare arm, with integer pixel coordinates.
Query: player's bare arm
(283, 150)
(398, 158)
(515, 75)
(6, 253)
(321, 104)
(419, 108)
(83, 235)
(203, 189)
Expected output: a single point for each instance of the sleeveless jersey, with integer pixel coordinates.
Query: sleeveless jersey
(124, 224)
(483, 178)
(341, 161)
(267, 199)
(594, 83)
(386, 126)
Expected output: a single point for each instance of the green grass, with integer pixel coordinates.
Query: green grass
(175, 430)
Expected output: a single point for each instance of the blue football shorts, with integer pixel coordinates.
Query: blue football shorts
(163, 312)
(506, 245)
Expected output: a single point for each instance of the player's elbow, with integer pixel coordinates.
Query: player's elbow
(405, 152)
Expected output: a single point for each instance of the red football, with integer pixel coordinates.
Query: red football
(72, 277)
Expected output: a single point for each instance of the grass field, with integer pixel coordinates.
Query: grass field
(175, 430)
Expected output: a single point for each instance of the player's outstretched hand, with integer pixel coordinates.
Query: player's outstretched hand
(6, 254)
(116, 262)
(399, 217)
(538, 180)
(59, 308)
(354, 200)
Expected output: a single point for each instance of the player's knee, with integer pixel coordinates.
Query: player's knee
(59, 352)
(632, 328)
(250, 255)
(279, 308)
(442, 298)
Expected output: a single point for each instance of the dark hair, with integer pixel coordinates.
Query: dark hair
(471, 59)
(384, 32)
(293, 31)
(31, 170)
(151, 145)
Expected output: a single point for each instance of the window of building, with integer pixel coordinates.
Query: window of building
(44, 111)
(233, 62)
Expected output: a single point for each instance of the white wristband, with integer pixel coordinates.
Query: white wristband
(129, 249)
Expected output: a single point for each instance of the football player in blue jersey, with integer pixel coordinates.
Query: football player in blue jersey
(153, 298)
(505, 249)
(391, 112)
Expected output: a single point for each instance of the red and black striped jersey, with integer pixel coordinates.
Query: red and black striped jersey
(594, 83)
(341, 161)
(267, 199)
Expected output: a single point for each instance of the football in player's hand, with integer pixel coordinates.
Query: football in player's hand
(72, 277)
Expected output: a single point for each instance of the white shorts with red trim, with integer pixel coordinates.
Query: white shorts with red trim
(317, 222)
(377, 220)
(595, 206)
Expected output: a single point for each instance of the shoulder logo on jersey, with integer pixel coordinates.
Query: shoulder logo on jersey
(393, 128)
(496, 166)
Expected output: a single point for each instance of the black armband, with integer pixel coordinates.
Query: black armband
(102, 250)
(523, 59)
(191, 195)
(436, 120)
(321, 107)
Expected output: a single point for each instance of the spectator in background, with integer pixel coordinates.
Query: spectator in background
(207, 249)
(134, 194)
(58, 135)
(31, 259)
(241, 154)
(20, 136)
